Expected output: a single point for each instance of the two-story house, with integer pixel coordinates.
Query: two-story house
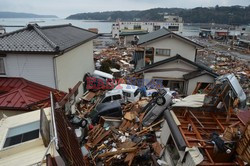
(56, 56)
(171, 59)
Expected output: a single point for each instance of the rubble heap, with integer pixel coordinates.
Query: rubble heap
(223, 64)
(124, 140)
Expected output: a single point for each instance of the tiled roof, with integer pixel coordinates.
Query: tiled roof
(153, 35)
(199, 66)
(197, 73)
(47, 39)
(21, 94)
(163, 33)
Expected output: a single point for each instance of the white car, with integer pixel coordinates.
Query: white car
(131, 92)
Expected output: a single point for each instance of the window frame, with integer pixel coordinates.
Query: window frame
(162, 52)
(4, 66)
(22, 134)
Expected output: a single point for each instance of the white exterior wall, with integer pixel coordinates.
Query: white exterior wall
(9, 113)
(193, 82)
(37, 68)
(72, 66)
(175, 45)
(26, 153)
(173, 73)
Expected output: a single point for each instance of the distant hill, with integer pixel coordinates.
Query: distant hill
(221, 15)
(24, 15)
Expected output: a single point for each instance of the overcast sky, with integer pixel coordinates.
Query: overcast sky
(63, 8)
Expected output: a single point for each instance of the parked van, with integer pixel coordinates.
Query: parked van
(131, 92)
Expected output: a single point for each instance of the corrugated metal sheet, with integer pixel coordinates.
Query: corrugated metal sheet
(69, 148)
(19, 93)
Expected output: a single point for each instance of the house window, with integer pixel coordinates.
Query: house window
(165, 52)
(22, 134)
(2, 67)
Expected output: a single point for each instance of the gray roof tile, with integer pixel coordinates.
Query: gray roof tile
(161, 33)
(153, 35)
(48, 39)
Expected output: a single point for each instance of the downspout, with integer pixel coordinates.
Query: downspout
(55, 72)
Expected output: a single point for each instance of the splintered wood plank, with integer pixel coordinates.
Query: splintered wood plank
(106, 154)
(125, 127)
(129, 158)
(157, 148)
(123, 124)
(128, 144)
(101, 137)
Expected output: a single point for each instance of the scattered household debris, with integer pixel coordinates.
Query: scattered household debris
(204, 127)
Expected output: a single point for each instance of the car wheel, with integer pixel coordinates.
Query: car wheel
(160, 101)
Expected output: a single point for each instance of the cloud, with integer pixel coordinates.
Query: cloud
(63, 8)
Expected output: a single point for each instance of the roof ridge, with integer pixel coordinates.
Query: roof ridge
(177, 56)
(51, 43)
(82, 29)
(16, 31)
(55, 26)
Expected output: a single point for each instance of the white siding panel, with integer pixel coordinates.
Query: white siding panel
(176, 46)
(36, 68)
(193, 82)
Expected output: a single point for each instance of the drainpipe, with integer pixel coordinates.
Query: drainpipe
(55, 72)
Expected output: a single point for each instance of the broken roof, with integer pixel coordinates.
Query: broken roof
(200, 66)
(164, 32)
(21, 94)
(45, 39)
(202, 125)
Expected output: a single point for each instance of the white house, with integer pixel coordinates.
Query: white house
(177, 73)
(162, 44)
(56, 56)
(35, 138)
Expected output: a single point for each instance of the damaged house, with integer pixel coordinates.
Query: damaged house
(204, 129)
(56, 56)
(171, 59)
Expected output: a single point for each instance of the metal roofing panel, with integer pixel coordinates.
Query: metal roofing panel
(19, 93)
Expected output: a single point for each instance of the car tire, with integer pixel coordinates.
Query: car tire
(160, 101)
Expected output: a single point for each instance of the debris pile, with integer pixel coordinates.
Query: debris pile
(124, 140)
(223, 64)
(121, 56)
(203, 128)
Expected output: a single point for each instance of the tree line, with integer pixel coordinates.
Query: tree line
(234, 15)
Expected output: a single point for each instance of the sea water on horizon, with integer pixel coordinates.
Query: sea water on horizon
(103, 27)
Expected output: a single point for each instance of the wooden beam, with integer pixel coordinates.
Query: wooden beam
(218, 122)
(199, 137)
(183, 135)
